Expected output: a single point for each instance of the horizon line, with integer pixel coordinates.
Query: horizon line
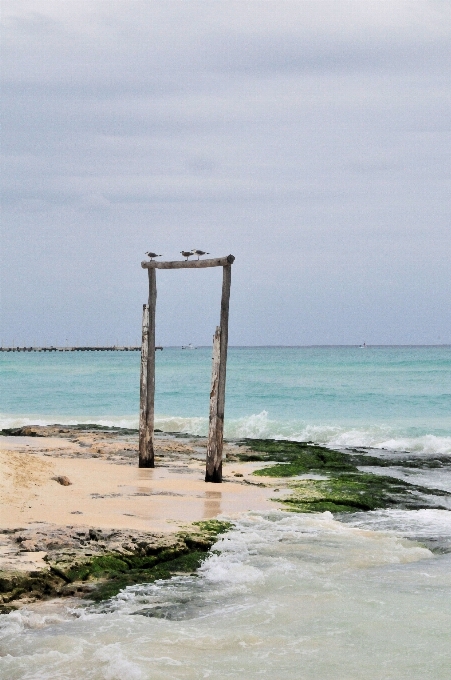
(119, 347)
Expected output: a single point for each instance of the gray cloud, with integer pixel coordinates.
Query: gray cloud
(310, 139)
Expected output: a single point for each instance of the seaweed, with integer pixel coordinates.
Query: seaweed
(99, 577)
(309, 457)
(296, 458)
(358, 491)
(117, 580)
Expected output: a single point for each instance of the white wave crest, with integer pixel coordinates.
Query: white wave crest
(195, 425)
(414, 524)
(374, 436)
(9, 421)
(17, 622)
(117, 666)
(259, 425)
(263, 546)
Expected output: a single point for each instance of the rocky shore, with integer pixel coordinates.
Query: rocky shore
(45, 560)
(79, 518)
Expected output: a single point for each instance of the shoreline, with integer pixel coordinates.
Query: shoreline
(71, 496)
(109, 490)
(79, 518)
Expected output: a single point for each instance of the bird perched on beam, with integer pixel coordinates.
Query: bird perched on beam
(186, 253)
(198, 252)
(152, 255)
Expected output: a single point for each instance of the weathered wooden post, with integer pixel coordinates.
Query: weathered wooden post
(217, 396)
(147, 391)
(213, 472)
(143, 385)
(212, 449)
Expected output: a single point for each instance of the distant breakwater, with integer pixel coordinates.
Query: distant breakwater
(73, 349)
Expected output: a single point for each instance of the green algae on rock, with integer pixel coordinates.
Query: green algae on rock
(359, 491)
(346, 488)
(186, 563)
(295, 458)
(310, 457)
(180, 559)
(98, 564)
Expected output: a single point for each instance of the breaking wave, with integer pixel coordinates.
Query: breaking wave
(261, 426)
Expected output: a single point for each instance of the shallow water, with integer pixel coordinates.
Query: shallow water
(285, 596)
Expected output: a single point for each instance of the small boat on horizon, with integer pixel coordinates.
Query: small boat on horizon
(364, 346)
(190, 346)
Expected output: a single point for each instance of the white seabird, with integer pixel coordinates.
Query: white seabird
(198, 252)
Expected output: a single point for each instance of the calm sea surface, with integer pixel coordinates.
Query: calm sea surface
(284, 596)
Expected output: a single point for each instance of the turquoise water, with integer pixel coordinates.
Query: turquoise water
(283, 595)
(389, 397)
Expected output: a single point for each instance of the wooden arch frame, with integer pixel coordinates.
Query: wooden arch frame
(213, 472)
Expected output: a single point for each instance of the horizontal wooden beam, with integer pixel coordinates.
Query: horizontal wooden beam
(189, 264)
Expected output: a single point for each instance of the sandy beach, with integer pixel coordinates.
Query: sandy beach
(68, 482)
(107, 489)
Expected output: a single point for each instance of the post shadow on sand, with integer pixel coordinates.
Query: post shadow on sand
(213, 472)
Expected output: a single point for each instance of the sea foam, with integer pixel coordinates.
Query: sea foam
(279, 592)
(259, 425)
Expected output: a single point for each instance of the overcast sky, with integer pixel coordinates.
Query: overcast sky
(309, 139)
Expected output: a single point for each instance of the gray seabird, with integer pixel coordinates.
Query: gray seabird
(186, 253)
(198, 252)
(152, 255)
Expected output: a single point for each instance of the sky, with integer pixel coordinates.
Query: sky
(309, 139)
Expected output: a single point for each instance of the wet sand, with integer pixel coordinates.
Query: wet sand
(107, 489)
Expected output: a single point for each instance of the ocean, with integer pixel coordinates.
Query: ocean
(283, 595)
(384, 397)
